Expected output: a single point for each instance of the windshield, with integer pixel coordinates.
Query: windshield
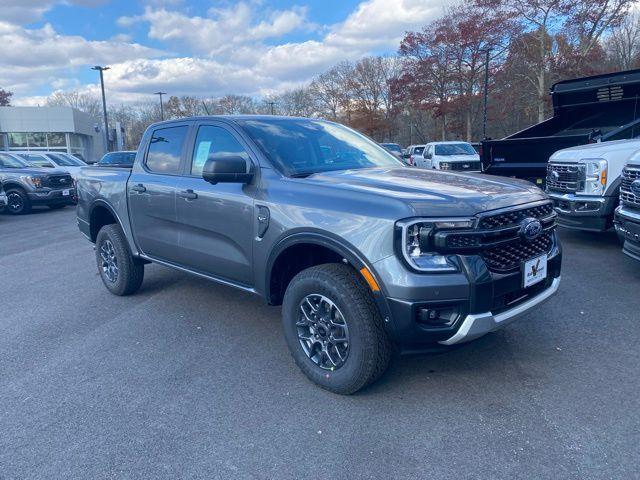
(455, 149)
(300, 147)
(394, 147)
(9, 161)
(65, 160)
(118, 158)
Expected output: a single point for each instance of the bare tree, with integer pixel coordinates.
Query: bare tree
(235, 105)
(85, 102)
(623, 45)
(299, 102)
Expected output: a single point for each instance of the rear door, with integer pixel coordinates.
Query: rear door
(216, 222)
(151, 191)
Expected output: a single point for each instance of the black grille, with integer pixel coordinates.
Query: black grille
(470, 166)
(508, 257)
(58, 181)
(514, 217)
(564, 177)
(627, 197)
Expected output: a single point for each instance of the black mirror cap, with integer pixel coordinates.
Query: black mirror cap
(231, 169)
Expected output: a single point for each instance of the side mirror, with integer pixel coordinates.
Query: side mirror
(232, 169)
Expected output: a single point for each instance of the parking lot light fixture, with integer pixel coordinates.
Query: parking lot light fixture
(161, 106)
(104, 105)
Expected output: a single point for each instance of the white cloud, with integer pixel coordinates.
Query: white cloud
(27, 11)
(223, 30)
(33, 56)
(226, 50)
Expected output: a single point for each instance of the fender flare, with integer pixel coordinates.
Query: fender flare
(101, 203)
(324, 239)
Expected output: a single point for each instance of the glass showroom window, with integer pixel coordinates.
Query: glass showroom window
(57, 140)
(37, 140)
(17, 140)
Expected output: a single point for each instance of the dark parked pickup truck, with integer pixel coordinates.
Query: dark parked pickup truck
(627, 216)
(26, 186)
(585, 110)
(364, 254)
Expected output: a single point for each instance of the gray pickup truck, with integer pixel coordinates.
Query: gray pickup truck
(26, 186)
(366, 256)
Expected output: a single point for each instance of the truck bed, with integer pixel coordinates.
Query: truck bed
(103, 183)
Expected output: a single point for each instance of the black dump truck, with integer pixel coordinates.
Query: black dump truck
(585, 110)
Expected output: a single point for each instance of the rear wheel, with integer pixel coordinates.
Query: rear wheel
(120, 272)
(333, 328)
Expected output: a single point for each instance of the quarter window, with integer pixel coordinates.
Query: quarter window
(165, 149)
(217, 143)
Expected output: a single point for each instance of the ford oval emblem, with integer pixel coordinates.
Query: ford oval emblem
(530, 229)
(635, 187)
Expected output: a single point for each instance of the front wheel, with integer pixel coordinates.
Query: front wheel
(334, 330)
(120, 272)
(17, 202)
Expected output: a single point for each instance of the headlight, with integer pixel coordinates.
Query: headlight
(595, 176)
(33, 180)
(416, 243)
(445, 166)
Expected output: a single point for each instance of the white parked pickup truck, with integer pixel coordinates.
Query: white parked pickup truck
(584, 183)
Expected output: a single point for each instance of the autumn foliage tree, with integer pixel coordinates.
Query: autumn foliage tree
(5, 98)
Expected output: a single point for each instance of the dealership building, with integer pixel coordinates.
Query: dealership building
(62, 129)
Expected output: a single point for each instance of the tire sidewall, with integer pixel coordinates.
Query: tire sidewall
(352, 368)
(109, 233)
(25, 202)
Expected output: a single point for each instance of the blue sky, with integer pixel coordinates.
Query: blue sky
(192, 47)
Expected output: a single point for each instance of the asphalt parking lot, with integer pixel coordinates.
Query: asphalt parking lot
(189, 379)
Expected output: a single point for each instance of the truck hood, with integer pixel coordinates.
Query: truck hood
(595, 150)
(458, 158)
(15, 172)
(435, 192)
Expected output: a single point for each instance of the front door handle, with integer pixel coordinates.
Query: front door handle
(140, 188)
(188, 194)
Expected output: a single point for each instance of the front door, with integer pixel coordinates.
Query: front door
(215, 221)
(151, 191)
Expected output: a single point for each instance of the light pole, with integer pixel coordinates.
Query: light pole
(271, 104)
(486, 93)
(161, 107)
(104, 105)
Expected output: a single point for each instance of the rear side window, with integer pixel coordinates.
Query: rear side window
(37, 160)
(217, 143)
(165, 149)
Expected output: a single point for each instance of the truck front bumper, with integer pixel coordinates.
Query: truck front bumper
(584, 212)
(53, 197)
(482, 301)
(627, 223)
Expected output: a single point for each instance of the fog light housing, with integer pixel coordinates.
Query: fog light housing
(437, 315)
(586, 206)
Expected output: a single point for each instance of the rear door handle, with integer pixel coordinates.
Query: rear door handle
(188, 194)
(140, 188)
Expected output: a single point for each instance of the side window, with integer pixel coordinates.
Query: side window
(165, 149)
(214, 142)
(38, 161)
